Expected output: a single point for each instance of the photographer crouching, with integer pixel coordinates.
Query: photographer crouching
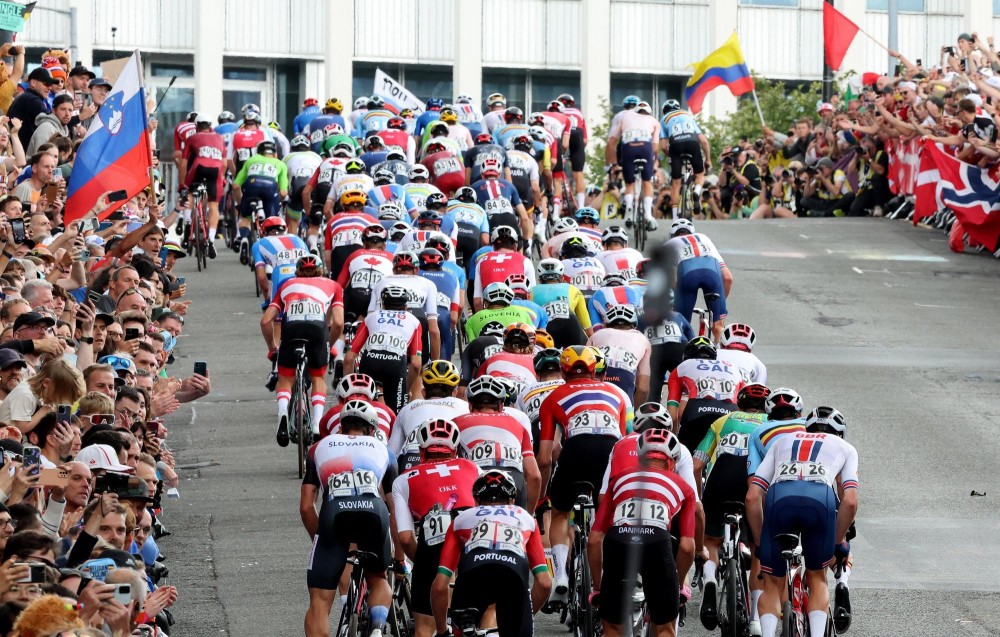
(739, 180)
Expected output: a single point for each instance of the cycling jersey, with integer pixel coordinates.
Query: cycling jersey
(182, 132)
(308, 114)
(523, 173)
(624, 457)
(206, 161)
(583, 407)
(699, 267)
(447, 172)
(635, 128)
(461, 135)
(399, 168)
(346, 182)
(505, 134)
(765, 436)
(699, 379)
(606, 298)
(358, 276)
(404, 442)
(329, 171)
(729, 435)
(392, 192)
(344, 231)
(493, 120)
(519, 367)
(471, 223)
(415, 240)
(566, 308)
(476, 353)
(243, 145)
(418, 194)
(529, 402)
(489, 532)
(679, 126)
(227, 130)
(386, 342)
(503, 315)
(648, 498)
(585, 274)
(422, 293)
(306, 299)
(448, 299)
(372, 122)
(553, 246)
(264, 178)
(315, 130)
(499, 199)
(539, 319)
(623, 261)
(497, 267)
(494, 440)
(725, 446)
(426, 118)
(281, 252)
(627, 355)
(475, 156)
(399, 140)
(301, 167)
(330, 422)
(753, 370)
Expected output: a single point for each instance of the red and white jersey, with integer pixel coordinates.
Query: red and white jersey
(494, 440)
(632, 127)
(577, 120)
(243, 145)
(497, 267)
(442, 164)
(623, 261)
(415, 240)
(330, 423)
(307, 298)
(345, 228)
(583, 407)
(646, 497)
(625, 457)
(329, 170)
(520, 367)
(399, 140)
(428, 492)
(181, 132)
(364, 268)
(704, 379)
(404, 437)
(556, 123)
(494, 529)
(358, 463)
(585, 274)
(689, 246)
(388, 332)
(804, 456)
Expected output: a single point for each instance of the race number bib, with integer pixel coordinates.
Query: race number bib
(435, 527)
(698, 250)
(600, 423)
(325, 176)
(495, 536)
(304, 310)
(443, 300)
(365, 278)
(208, 152)
(243, 154)
(717, 388)
(664, 333)
(498, 206)
(557, 310)
(634, 135)
(490, 453)
(642, 512)
(283, 257)
(302, 171)
(586, 281)
(383, 342)
(621, 358)
(316, 136)
(807, 471)
(346, 237)
(263, 170)
(352, 483)
(447, 165)
(734, 444)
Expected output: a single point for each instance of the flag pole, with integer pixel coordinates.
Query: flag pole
(760, 113)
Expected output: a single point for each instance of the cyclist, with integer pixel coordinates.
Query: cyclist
(636, 129)
(444, 245)
(448, 297)
(310, 110)
(577, 145)
(500, 200)
(315, 130)
(227, 126)
(711, 387)
(793, 491)
(737, 348)
(589, 225)
(513, 126)
(493, 118)
(439, 380)
(562, 229)
(456, 131)
(667, 337)
(626, 351)
(783, 407)
(612, 292)
(418, 189)
(386, 189)
(471, 220)
(518, 284)
(549, 373)
(425, 498)
(497, 307)
(344, 230)
(279, 139)
(387, 347)
(492, 550)
(494, 439)
(302, 164)
(352, 472)
(580, 269)
(422, 300)
(681, 136)
(699, 267)
(558, 124)
(375, 118)
(633, 524)
(277, 251)
(469, 114)
(447, 173)
(592, 415)
(488, 343)
(563, 304)
(246, 141)
(617, 257)
(358, 387)
(431, 114)
(395, 163)
(498, 265)
(263, 177)
(516, 360)
(395, 137)
(484, 149)
(363, 269)
(725, 447)
(311, 308)
(206, 162)
(374, 150)
(523, 174)
(334, 137)
(182, 131)
(353, 178)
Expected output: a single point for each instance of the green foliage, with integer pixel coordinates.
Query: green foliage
(781, 103)
(598, 141)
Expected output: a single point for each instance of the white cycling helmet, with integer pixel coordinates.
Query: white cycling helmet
(655, 442)
(550, 269)
(487, 388)
(565, 224)
(738, 334)
(625, 312)
(438, 434)
(464, 98)
(644, 107)
(360, 410)
(652, 416)
(783, 397)
(498, 293)
(829, 417)
(355, 384)
(419, 171)
(361, 102)
(681, 224)
(503, 232)
(615, 233)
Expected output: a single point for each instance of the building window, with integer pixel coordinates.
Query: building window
(545, 87)
(904, 5)
(770, 3)
(242, 73)
(511, 84)
(996, 7)
(160, 69)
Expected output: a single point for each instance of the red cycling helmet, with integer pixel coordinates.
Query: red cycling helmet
(374, 232)
(656, 443)
(484, 138)
(310, 101)
(752, 397)
(272, 223)
(404, 261)
(397, 123)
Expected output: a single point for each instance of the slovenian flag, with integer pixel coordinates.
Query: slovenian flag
(724, 66)
(115, 154)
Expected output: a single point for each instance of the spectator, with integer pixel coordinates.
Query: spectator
(828, 191)
(12, 371)
(29, 191)
(38, 294)
(27, 106)
(48, 125)
(56, 383)
(101, 378)
(10, 76)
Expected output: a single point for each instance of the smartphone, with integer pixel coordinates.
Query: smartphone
(117, 195)
(32, 458)
(131, 333)
(102, 419)
(84, 255)
(950, 50)
(123, 593)
(920, 62)
(117, 215)
(154, 427)
(53, 478)
(181, 280)
(50, 191)
(36, 572)
(201, 368)
(64, 413)
(17, 229)
(966, 65)
(898, 71)
(94, 296)
(156, 153)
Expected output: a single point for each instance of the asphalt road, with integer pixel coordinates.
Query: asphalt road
(874, 317)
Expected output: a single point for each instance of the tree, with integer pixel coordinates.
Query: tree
(598, 141)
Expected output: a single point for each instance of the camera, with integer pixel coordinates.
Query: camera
(157, 571)
(115, 483)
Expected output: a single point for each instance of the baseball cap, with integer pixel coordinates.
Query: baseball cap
(137, 490)
(825, 106)
(102, 457)
(99, 81)
(173, 246)
(965, 36)
(121, 558)
(41, 74)
(824, 162)
(33, 318)
(11, 358)
(80, 69)
(119, 363)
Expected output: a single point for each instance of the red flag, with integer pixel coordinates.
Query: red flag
(927, 202)
(838, 33)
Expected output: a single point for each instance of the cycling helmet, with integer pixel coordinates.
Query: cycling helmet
(436, 200)
(354, 384)
(226, 116)
(519, 284)
(440, 372)
(266, 146)
(496, 99)
(396, 123)
(657, 443)
(630, 101)
(640, 272)
(547, 358)
(354, 167)
(566, 99)
(623, 313)
(670, 106)
(644, 107)
(272, 223)
(441, 243)
(430, 259)
(565, 224)
(449, 116)
(485, 389)
(300, 141)
(374, 141)
(334, 104)
(429, 217)
(384, 177)
(550, 270)
(587, 214)
(361, 412)
(826, 420)
(494, 487)
(502, 234)
(752, 396)
(652, 416)
(352, 197)
(613, 280)
(602, 361)
(374, 232)
(498, 294)
(273, 125)
(392, 210)
(538, 133)
(513, 114)
(375, 103)
(492, 328)
(484, 138)
(536, 119)
(438, 435)
(783, 402)
(395, 153)
(439, 129)
(333, 129)
(399, 230)
(310, 101)
(343, 150)
(361, 102)
(435, 102)
(434, 147)
(466, 194)
(490, 166)
(578, 358)
(464, 98)
(406, 113)
(544, 340)
(419, 171)
(523, 143)
(573, 248)
(615, 233)
(202, 118)
(309, 262)
(252, 116)
(511, 387)
(517, 330)
(678, 226)
(249, 107)
(404, 261)
(738, 335)
(699, 347)
(555, 106)
(394, 297)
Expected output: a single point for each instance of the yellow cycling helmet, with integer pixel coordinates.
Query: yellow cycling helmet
(334, 104)
(449, 116)
(440, 372)
(543, 339)
(602, 361)
(406, 113)
(353, 197)
(578, 358)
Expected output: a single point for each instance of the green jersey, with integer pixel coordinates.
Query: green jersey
(263, 171)
(729, 435)
(504, 315)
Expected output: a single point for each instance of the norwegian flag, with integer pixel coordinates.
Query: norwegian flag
(971, 192)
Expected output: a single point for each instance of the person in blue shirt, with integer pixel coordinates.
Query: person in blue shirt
(315, 128)
(448, 296)
(310, 110)
(431, 114)
(375, 151)
(227, 126)
(442, 244)
(519, 285)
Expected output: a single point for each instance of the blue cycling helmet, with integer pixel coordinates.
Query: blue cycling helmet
(435, 102)
(630, 102)
(587, 214)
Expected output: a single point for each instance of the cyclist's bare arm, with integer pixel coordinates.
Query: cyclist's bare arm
(267, 327)
(706, 151)
(527, 224)
(665, 146)
(307, 509)
(349, 359)
(610, 149)
(335, 321)
(265, 285)
(414, 374)
(727, 280)
(307, 197)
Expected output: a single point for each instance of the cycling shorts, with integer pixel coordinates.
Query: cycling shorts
(633, 151)
(699, 273)
(212, 180)
(798, 506)
(448, 183)
(362, 520)
(698, 416)
(293, 215)
(663, 358)
(338, 257)
(577, 150)
(583, 458)
(389, 370)
(317, 350)
(425, 564)
(654, 554)
(356, 301)
(488, 577)
(727, 482)
(680, 148)
(469, 240)
(621, 378)
(444, 326)
(566, 332)
(295, 194)
(319, 193)
(558, 170)
(268, 194)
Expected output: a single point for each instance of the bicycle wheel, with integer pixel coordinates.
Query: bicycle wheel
(295, 409)
(788, 623)
(734, 600)
(199, 249)
(685, 200)
(584, 622)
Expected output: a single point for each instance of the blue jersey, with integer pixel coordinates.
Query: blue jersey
(426, 119)
(679, 126)
(765, 435)
(302, 120)
(468, 215)
(227, 130)
(373, 158)
(503, 135)
(541, 319)
(392, 192)
(459, 273)
(315, 129)
(281, 253)
(447, 288)
(477, 256)
(604, 298)
(372, 122)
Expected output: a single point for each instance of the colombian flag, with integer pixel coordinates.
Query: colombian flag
(724, 66)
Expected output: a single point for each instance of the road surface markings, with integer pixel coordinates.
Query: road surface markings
(858, 270)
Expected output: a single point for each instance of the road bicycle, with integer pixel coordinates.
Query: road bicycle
(637, 220)
(734, 564)
(198, 230)
(230, 217)
(704, 321)
(689, 203)
(299, 408)
(354, 615)
(794, 612)
(400, 620)
(579, 613)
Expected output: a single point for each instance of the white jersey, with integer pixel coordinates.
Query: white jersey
(585, 274)
(750, 366)
(521, 417)
(350, 466)
(422, 293)
(493, 120)
(553, 246)
(623, 261)
(804, 456)
(361, 182)
(689, 246)
(302, 165)
(403, 440)
(529, 400)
